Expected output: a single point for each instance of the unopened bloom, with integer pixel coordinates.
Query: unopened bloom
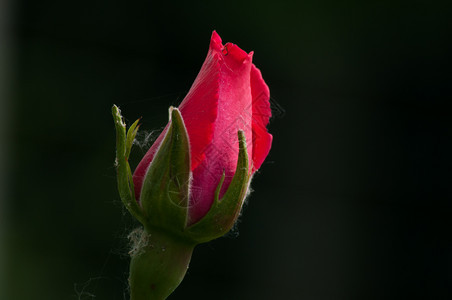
(228, 95)
(190, 186)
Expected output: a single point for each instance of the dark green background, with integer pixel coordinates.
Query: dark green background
(353, 201)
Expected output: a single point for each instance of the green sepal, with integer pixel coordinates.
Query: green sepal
(124, 174)
(165, 191)
(224, 213)
(131, 133)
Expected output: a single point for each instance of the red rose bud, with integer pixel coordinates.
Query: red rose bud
(228, 95)
(190, 186)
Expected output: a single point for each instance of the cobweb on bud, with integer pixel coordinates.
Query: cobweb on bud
(234, 232)
(144, 139)
(139, 239)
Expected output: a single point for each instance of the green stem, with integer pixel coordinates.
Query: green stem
(159, 263)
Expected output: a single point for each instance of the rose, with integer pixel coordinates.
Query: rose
(228, 95)
(190, 186)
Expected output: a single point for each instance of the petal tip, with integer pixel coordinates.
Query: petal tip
(215, 41)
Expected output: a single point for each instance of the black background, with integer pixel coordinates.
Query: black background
(353, 201)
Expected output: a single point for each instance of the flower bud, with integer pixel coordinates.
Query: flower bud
(190, 186)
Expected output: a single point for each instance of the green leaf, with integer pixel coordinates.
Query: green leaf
(224, 213)
(124, 174)
(164, 196)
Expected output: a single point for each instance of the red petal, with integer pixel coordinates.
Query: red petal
(262, 140)
(234, 113)
(199, 108)
(199, 111)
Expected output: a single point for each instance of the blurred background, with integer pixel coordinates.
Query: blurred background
(353, 201)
